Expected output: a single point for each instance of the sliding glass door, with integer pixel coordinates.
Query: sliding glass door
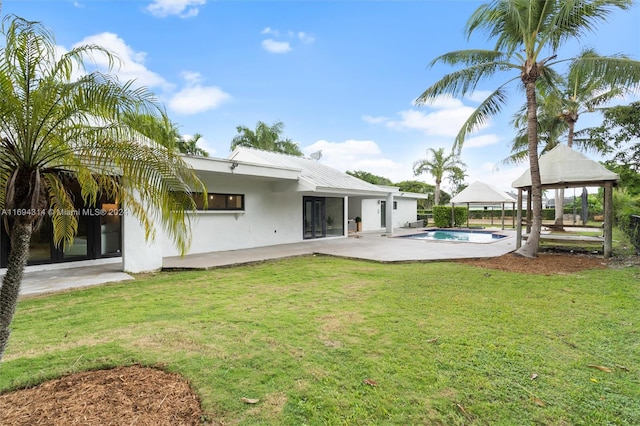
(323, 216)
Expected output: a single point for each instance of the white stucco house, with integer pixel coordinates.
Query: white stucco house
(255, 199)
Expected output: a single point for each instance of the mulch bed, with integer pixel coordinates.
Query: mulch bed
(121, 396)
(543, 264)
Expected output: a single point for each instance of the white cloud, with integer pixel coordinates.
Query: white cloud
(282, 42)
(479, 95)
(195, 98)
(305, 38)
(355, 155)
(443, 117)
(191, 77)
(269, 30)
(446, 102)
(499, 176)
(182, 8)
(444, 122)
(481, 141)
(374, 120)
(273, 46)
(131, 65)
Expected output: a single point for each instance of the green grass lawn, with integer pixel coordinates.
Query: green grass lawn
(445, 343)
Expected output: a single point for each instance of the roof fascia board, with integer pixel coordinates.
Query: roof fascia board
(232, 167)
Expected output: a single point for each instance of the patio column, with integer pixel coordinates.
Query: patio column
(345, 216)
(389, 213)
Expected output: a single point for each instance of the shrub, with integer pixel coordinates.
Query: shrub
(442, 216)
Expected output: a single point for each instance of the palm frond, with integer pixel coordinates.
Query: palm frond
(480, 116)
(462, 82)
(616, 71)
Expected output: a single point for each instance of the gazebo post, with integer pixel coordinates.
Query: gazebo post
(608, 219)
(453, 216)
(519, 220)
(468, 208)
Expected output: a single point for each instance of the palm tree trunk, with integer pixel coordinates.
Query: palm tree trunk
(20, 238)
(436, 201)
(530, 248)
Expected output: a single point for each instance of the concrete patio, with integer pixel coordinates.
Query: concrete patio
(374, 246)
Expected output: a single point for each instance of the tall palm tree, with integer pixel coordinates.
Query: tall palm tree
(439, 164)
(267, 138)
(56, 129)
(524, 31)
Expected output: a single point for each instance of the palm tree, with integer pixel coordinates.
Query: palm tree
(190, 146)
(437, 165)
(167, 134)
(87, 131)
(524, 30)
(265, 137)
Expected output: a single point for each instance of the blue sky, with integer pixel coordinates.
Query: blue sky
(341, 75)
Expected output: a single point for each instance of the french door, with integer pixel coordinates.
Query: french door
(314, 217)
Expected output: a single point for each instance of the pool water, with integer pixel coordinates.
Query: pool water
(455, 235)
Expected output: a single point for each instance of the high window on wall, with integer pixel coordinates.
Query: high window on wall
(219, 201)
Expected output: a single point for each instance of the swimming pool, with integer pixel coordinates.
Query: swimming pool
(468, 236)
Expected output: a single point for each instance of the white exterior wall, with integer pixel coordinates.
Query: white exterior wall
(139, 255)
(371, 215)
(269, 218)
(406, 212)
(369, 210)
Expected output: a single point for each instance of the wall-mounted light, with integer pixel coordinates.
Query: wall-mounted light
(234, 165)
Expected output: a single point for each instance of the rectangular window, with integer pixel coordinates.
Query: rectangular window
(220, 201)
(395, 205)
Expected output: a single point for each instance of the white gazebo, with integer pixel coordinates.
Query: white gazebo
(483, 194)
(563, 167)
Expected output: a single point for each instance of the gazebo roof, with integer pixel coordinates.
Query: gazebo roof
(563, 167)
(482, 193)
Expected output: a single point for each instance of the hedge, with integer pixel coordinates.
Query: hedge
(442, 216)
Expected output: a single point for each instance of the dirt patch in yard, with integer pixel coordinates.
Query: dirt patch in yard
(544, 263)
(553, 263)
